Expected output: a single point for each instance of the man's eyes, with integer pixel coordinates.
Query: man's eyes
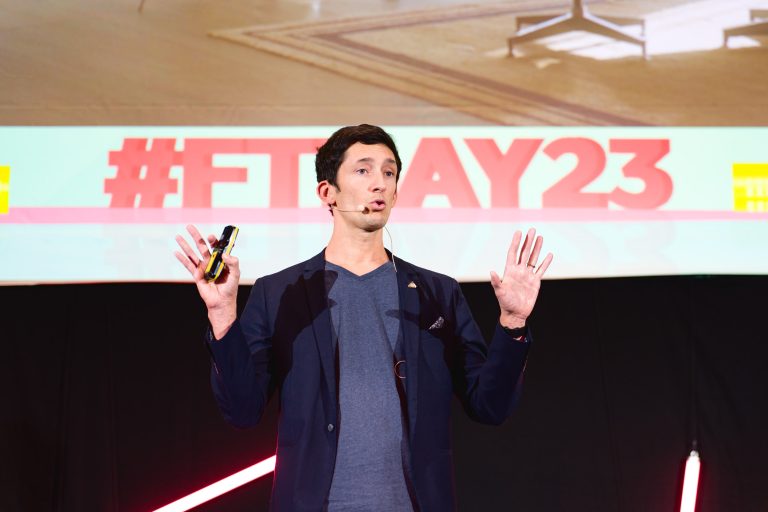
(387, 173)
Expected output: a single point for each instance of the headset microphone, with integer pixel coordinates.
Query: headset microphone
(359, 209)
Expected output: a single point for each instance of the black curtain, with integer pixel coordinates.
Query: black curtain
(106, 403)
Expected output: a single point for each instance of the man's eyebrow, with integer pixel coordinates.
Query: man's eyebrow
(368, 160)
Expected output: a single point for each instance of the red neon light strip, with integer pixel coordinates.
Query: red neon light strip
(690, 482)
(222, 486)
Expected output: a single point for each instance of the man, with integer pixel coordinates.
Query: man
(365, 348)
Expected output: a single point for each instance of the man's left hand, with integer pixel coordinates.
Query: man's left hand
(518, 288)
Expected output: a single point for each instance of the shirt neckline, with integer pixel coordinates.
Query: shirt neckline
(368, 275)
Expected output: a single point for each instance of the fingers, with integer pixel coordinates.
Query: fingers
(525, 252)
(232, 265)
(526, 256)
(512, 252)
(196, 269)
(544, 265)
(185, 261)
(534, 257)
(495, 280)
(191, 257)
(202, 247)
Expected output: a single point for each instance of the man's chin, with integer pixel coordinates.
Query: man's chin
(371, 228)
(376, 221)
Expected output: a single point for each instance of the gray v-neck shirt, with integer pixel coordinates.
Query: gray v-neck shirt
(365, 313)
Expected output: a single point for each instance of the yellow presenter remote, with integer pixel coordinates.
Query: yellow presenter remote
(220, 248)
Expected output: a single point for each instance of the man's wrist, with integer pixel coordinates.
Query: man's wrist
(514, 326)
(517, 333)
(512, 321)
(221, 321)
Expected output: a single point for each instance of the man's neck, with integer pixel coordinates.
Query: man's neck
(359, 252)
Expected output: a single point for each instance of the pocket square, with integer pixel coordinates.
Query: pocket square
(438, 324)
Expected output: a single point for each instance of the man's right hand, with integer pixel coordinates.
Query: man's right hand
(220, 296)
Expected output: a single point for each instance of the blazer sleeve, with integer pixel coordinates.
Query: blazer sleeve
(241, 370)
(489, 377)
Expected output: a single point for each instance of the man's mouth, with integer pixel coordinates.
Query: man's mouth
(377, 205)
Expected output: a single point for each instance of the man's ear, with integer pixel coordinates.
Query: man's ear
(326, 192)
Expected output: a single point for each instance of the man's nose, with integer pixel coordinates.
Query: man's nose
(378, 184)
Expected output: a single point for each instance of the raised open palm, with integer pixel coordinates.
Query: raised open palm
(518, 288)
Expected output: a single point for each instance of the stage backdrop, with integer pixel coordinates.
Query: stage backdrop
(610, 201)
(107, 405)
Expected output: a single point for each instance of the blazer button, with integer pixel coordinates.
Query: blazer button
(330, 427)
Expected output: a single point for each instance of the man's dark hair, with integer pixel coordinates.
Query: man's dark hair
(331, 154)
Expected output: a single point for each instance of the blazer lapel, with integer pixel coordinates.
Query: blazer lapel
(317, 301)
(408, 289)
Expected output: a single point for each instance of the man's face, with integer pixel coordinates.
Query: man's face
(367, 180)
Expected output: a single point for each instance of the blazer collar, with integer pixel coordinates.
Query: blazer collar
(315, 263)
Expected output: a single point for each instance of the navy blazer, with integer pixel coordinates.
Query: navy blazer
(283, 340)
